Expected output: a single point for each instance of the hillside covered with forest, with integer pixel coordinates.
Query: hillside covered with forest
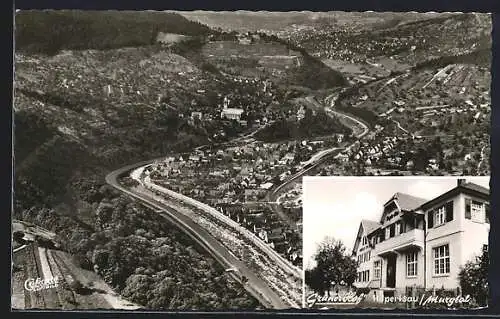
(53, 30)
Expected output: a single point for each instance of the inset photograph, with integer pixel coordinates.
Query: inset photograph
(396, 242)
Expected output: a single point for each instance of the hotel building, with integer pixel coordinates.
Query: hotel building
(420, 243)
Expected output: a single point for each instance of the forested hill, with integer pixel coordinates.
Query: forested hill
(50, 31)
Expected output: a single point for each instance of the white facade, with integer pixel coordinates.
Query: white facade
(423, 244)
(232, 113)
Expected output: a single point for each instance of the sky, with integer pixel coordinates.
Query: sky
(334, 206)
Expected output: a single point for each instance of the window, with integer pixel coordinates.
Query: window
(376, 269)
(411, 264)
(477, 211)
(404, 226)
(366, 275)
(398, 228)
(442, 260)
(387, 233)
(440, 216)
(365, 241)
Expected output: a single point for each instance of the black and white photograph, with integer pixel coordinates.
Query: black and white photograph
(159, 155)
(396, 242)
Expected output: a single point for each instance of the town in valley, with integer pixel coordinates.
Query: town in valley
(160, 155)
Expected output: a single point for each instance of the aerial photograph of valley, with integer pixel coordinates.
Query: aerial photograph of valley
(159, 155)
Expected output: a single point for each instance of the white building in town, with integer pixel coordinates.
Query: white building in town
(231, 113)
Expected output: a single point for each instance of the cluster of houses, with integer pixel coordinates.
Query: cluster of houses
(251, 95)
(235, 174)
(433, 115)
(248, 38)
(236, 180)
(383, 150)
(264, 224)
(372, 150)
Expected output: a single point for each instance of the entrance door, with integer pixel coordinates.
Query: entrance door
(391, 271)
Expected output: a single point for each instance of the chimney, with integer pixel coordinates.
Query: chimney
(461, 181)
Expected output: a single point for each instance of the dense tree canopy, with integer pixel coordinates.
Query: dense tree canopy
(473, 279)
(312, 125)
(51, 31)
(334, 266)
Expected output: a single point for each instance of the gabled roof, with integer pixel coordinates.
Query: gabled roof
(408, 202)
(365, 227)
(369, 225)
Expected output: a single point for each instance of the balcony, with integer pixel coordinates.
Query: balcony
(410, 239)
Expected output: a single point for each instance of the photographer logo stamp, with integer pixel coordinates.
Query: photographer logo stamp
(38, 284)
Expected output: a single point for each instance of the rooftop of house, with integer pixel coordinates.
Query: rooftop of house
(369, 225)
(462, 187)
(408, 202)
(475, 187)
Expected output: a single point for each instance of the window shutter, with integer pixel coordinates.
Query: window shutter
(449, 211)
(468, 203)
(487, 212)
(430, 219)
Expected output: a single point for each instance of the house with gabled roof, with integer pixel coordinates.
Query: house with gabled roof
(422, 243)
(362, 251)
